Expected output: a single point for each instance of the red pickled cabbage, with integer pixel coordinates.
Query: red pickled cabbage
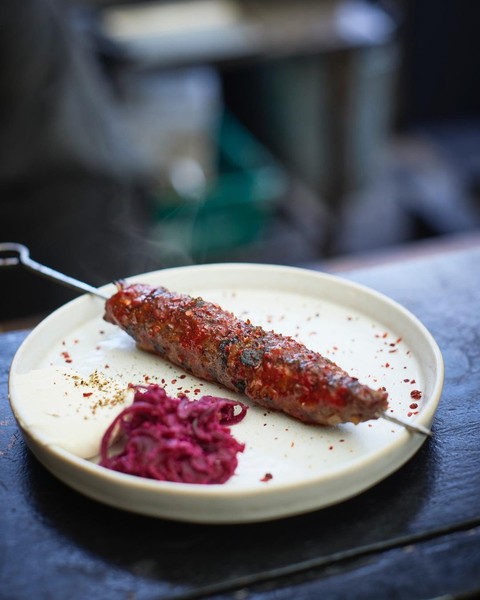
(174, 439)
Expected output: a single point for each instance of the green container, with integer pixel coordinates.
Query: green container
(235, 209)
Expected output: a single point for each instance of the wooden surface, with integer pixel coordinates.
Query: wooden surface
(414, 535)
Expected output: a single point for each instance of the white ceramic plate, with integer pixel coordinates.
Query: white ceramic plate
(311, 467)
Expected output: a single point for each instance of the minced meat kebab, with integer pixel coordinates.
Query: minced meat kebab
(273, 370)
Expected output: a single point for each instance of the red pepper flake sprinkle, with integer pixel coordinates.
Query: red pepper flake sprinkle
(267, 477)
(87, 394)
(67, 357)
(413, 405)
(330, 447)
(416, 394)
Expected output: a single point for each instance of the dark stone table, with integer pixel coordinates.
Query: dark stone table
(414, 535)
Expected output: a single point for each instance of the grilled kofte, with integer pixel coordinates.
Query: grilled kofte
(272, 370)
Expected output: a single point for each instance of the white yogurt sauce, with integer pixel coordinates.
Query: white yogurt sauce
(68, 409)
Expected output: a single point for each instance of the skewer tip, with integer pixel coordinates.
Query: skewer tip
(413, 427)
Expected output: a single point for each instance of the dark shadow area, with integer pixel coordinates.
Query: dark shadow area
(192, 556)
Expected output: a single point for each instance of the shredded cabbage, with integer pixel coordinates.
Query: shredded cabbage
(174, 439)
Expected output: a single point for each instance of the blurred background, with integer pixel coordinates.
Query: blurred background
(144, 135)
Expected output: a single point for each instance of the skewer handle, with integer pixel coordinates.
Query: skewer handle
(13, 254)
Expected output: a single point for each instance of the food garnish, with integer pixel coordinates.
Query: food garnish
(174, 439)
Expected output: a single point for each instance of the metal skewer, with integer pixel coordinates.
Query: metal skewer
(417, 428)
(13, 254)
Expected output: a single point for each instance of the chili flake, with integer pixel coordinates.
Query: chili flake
(67, 357)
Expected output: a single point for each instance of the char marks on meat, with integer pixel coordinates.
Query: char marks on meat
(272, 370)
